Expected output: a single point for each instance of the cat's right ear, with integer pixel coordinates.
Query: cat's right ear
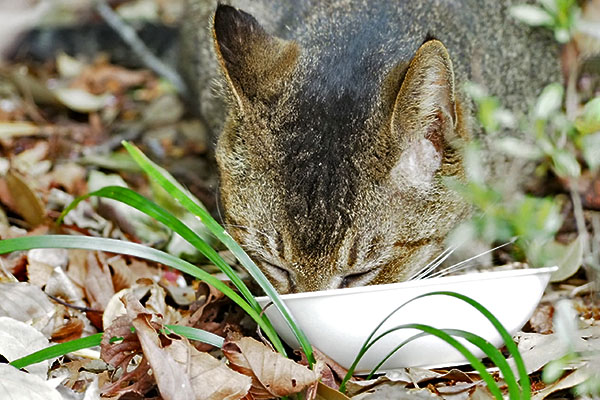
(255, 64)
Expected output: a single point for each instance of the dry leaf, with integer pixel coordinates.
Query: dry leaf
(38, 273)
(17, 384)
(18, 339)
(77, 268)
(212, 312)
(537, 350)
(52, 257)
(183, 296)
(59, 285)
(98, 282)
(33, 162)
(70, 176)
(272, 374)
(180, 371)
(134, 379)
(155, 304)
(115, 308)
(324, 392)
(566, 382)
(123, 276)
(27, 303)
(541, 320)
(15, 129)
(326, 368)
(109, 78)
(481, 393)
(395, 392)
(26, 201)
(80, 100)
(71, 329)
(171, 377)
(210, 378)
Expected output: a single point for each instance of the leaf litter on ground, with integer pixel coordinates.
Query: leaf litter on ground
(46, 137)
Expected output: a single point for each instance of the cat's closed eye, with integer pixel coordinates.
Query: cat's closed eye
(359, 278)
(279, 274)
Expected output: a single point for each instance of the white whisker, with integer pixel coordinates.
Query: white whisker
(462, 265)
(436, 262)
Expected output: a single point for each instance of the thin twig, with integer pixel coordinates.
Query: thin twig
(69, 305)
(130, 37)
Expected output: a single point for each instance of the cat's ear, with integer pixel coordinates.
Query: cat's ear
(254, 63)
(425, 106)
(424, 116)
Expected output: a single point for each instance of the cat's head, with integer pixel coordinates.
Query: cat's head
(331, 174)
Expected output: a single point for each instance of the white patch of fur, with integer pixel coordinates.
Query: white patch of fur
(417, 165)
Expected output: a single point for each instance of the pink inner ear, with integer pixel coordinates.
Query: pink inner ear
(417, 165)
(435, 132)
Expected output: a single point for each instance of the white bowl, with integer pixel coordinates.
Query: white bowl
(337, 322)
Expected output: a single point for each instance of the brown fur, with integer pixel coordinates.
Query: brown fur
(335, 147)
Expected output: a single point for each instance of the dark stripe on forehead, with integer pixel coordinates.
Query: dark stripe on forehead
(319, 143)
(335, 93)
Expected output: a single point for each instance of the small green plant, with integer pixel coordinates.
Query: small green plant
(551, 141)
(516, 391)
(560, 16)
(556, 142)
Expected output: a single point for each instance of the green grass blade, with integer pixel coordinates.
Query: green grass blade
(62, 349)
(163, 179)
(391, 353)
(506, 337)
(514, 390)
(141, 203)
(141, 251)
(197, 334)
(474, 361)
(58, 350)
(492, 352)
(510, 345)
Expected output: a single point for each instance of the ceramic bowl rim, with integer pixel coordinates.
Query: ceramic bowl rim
(422, 283)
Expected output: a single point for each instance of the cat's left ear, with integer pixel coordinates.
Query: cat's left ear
(255, 63)
(426, 123)
(425, 106)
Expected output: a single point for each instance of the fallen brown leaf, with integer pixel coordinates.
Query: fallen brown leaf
(70, 176)
(541, 320)
(60, 285)
(210, 378)
(71, 329)
(104, 78)
(179, 370)
(135, 378)
(123, 276)
(98, 282)
(155, 303)
(213, 312)
(566, 382)
(171, 377)
(325, 392)
(26, 201)
(272, 374)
